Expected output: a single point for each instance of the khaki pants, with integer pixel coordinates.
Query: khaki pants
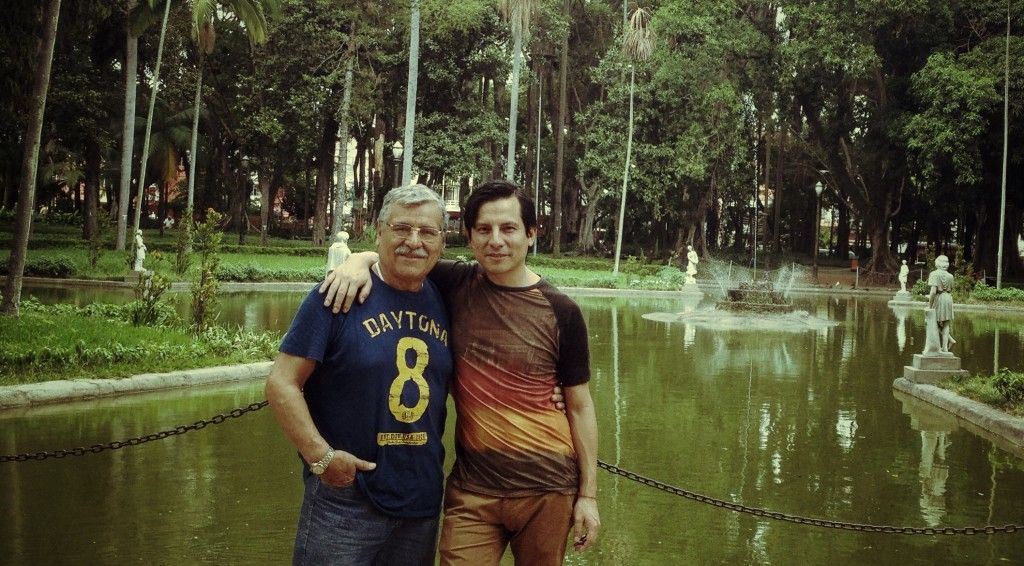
(477, 528)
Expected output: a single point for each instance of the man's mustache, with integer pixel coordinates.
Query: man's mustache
(407, 251)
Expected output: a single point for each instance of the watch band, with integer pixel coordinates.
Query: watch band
(320, 466)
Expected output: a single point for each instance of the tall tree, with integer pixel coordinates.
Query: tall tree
(131, 81)
(410, 93)
(154, 89)
(30, 161)
(518, 13)
(637, 44)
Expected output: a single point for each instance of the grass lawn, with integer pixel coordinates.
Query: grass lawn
(64, 342)
(1003, 391)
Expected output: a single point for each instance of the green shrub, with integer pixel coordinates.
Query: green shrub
(206, 240)
(183, 244)
(1010, 385)
(983, 292)
(148, 308)
(60, 267)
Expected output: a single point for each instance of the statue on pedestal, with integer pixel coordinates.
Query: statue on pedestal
(940, 299)
(904, 272)
(140, 251)
(338, 252)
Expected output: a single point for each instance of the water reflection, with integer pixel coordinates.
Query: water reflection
(800, 423)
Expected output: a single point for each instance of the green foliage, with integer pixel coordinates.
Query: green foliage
(64, 341)
(984, 293)
(1010, 385)
(148, 308)
(206, 240)
(58, 218)
(60, 267)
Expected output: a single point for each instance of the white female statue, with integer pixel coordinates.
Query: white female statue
(940, 298)
(691, 266)
(904, 272)
(338, 252)
(140, 251)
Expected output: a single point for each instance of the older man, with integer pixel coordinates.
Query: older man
(524, 473)
(361, 395)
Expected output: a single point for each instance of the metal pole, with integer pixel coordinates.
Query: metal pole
(814, 237)
(536, 174)
(1006, 141)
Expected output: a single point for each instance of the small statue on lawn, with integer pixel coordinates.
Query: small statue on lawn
(691, 266)
(338, 252)
(140, 251)
(904, 273)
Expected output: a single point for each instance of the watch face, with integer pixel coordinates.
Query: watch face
(318, 468)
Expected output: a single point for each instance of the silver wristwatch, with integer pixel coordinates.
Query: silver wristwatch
(320, 466)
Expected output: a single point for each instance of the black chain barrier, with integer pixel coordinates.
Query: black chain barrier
(756, 511)
(117, 444)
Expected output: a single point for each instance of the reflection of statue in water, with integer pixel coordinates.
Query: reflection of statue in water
(140, 251)
(933, 472)
(691, 266)
(338, 252)
(904, 272)
(940, 298)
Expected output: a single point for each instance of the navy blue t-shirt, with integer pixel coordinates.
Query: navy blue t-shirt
(379, 389)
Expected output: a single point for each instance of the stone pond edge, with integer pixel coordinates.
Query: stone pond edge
(1003, 425)
(47, 392)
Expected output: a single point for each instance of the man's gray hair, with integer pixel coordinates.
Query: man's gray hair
(412, 195)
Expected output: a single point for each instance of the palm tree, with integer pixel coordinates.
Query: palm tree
(410, 93)
(519, 13)
(637, 43)
(154, 88)
(131, 79)
(30, 161)
(253, 16)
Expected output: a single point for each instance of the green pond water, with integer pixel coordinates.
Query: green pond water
(804, 423)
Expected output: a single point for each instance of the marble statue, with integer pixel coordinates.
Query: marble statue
(904, 272)
(691, 266)
(140, 251)
(338, 252)
(940, 299)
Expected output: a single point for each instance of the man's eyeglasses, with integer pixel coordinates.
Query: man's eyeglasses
(428, 234)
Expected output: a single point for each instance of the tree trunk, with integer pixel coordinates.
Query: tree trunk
(342, 183)
(410, 94)
(513, 112)
(265, 179)
(131, 80)
(586, 241)
(30, 162)
(139, 201)
(93, 167)
(325, 172)
(194, 151)
(556, 205)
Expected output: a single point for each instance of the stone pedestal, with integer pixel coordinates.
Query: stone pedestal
(933, 368)
(133, 275)
(902, 297)
(690, 288)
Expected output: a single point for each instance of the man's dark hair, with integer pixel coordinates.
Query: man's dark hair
(497, 190)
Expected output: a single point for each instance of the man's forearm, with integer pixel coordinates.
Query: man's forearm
(292, 414)
(583, 427)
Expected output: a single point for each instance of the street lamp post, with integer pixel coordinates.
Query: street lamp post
(396, 152)
(817, 225)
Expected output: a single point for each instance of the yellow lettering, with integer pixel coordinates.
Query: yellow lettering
(371, 327)
(401, 438)
(425, 323)
(415, 375)
(385, 324)
(397, 316)
(410, 315)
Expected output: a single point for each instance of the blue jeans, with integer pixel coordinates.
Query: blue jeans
(340, 525)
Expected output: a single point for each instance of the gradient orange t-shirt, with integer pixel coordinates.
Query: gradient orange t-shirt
(511, 347)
